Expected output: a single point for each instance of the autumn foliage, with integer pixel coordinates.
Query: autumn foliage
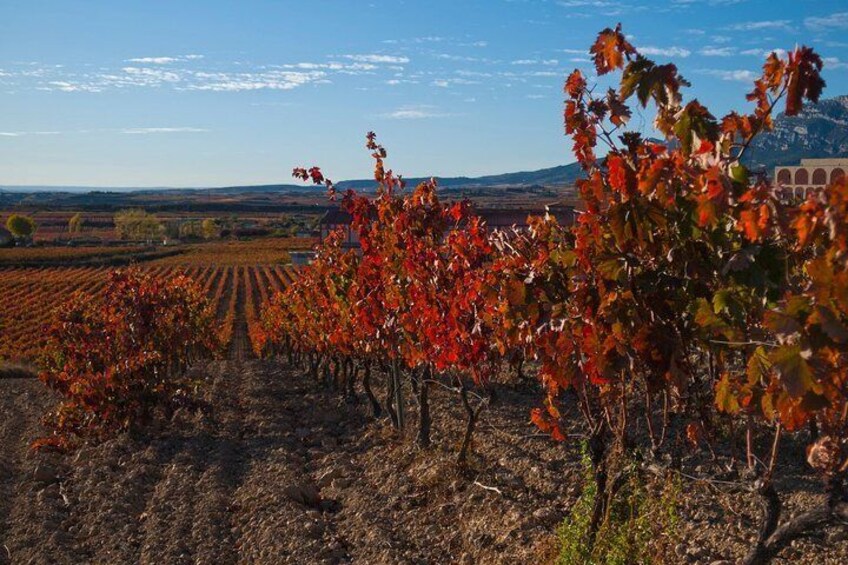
(691, 298)
(116, 357)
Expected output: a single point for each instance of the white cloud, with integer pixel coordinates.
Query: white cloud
(153, 60)
(450, 57)
(148, 75)
(834, 63)
(665, 51)
(344, 68)
(448, 82)
(477, 74)
(546, 62)
(717, 51)
(734, 75)
(586, 4)
(396, 81)
(268, 80)
(835, 21)
(164, 60)
(144, 131)
(764, 24)
(378, 59)
(763, 53)
(66, 86)
(687, 3)
(415, 112)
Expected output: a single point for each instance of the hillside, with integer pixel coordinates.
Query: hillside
(819, 131)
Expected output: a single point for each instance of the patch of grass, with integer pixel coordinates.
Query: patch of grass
(639, 527)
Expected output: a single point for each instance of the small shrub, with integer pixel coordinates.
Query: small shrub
(638, 528)
(117, 357)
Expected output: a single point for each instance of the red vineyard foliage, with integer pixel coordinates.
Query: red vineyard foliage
(116, 357)
(689, 290)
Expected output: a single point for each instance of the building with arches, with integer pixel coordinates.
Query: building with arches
(811, 174)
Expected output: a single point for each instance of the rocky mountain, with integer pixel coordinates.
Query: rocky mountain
(820, 131)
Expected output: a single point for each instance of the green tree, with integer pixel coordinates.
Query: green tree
(22, 227)
(138, 224)
(209, 228)
(75, 223)
(190, 229)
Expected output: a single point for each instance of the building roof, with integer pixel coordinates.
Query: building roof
(837, 162)
(336, 216)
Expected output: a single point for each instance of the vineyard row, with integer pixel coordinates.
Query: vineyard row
(30, 295)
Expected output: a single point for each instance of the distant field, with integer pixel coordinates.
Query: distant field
(268, 251)
(58, 255)
(30, 295)
(271, 250)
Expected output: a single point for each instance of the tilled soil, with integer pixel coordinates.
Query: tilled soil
(282, 471)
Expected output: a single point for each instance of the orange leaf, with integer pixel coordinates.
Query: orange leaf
(610, 49)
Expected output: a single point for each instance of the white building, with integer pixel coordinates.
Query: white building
(811, 174)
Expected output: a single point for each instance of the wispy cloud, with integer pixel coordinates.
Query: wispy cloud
(587, 4)
(665, 51)
(379, 59)
(835, 21)
(164, 60)
(415, 112)
(448, 82)
(65, 86)
(834, 63)
(763, 53)
(26, 133)
(732, 75)
(155, 75)
(760, 25)
(452, 57)
(546, 62)
(130, 131)
(687, 3)
(145, 131)
(717, 51)
(269, 80)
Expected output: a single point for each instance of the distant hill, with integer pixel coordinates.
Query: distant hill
(559, 176)
(819, 131)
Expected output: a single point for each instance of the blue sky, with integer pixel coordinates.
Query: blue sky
(211, 93)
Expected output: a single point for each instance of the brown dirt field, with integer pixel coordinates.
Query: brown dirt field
(283, 471)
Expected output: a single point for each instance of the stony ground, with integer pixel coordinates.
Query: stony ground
(282, 471)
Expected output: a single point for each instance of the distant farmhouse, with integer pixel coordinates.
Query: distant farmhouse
(810, 175)
(6, 238)
(496, 219)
